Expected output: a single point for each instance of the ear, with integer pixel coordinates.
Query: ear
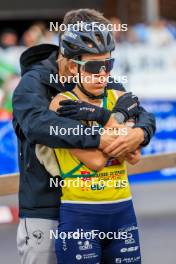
(72, 67)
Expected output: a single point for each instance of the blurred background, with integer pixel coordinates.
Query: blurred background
(146, 65)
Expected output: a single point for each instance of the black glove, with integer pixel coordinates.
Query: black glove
(80, 110)
(127, 105)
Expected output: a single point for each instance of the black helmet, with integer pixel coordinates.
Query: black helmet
(74, 43)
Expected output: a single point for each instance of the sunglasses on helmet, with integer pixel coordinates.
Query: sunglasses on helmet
(96, 66)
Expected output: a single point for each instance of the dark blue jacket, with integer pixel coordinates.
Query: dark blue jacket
(32, 120)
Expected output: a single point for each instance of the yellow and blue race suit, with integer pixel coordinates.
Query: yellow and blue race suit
(96, 200)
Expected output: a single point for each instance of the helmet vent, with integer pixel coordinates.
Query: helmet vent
(87, 41)
(72, 46)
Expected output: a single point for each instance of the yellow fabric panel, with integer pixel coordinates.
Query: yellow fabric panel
(107, 185)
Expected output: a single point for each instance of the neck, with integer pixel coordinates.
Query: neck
(85, 98)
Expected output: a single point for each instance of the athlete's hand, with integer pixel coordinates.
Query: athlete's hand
(127, 105)
(80, 110)
(125, 144)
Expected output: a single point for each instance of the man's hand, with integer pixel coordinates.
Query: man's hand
(127, 105)
(112, 123)
(125, 144)
(133, 157)
(80, 110)
(107, 139)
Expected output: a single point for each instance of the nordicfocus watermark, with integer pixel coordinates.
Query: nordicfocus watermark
(89, 235)
(80, 26)
(92, 78)
(95, 183)
(81, 130)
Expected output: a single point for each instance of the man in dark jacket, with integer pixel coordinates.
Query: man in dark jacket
(38, 201)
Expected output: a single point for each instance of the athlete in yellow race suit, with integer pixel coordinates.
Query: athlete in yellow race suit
(95, 200)
(94, 188)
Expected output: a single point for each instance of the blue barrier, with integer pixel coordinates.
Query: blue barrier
(8, 148)
(164, 139)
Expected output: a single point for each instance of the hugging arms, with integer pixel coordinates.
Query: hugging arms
(96, 159)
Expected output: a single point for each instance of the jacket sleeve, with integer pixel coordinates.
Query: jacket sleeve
(146, 120)
(31, 113)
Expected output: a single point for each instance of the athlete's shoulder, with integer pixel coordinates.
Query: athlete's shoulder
(114, 94)
(114, 85)
(67, 95)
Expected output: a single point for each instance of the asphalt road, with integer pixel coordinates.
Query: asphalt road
(157, 225)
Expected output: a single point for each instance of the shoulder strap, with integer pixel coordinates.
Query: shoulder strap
(69, 95)
(112, 98)
(105, 102)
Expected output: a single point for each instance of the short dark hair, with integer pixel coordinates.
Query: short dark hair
(85, 15)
